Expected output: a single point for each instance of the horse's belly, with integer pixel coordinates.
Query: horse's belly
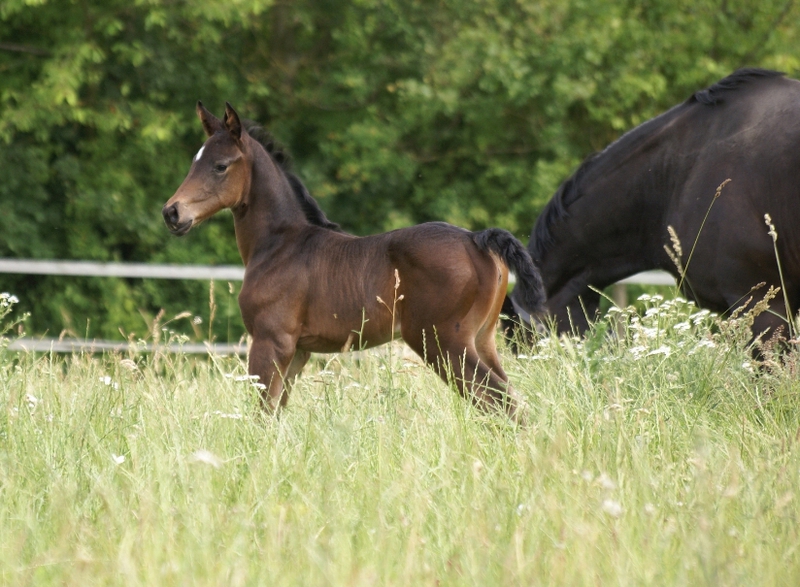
(338, 336)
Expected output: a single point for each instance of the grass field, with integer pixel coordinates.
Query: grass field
(656, 457)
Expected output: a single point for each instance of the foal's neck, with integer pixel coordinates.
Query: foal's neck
(270, 213)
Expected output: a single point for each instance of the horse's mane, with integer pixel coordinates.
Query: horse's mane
(713, 94)
(556, 209)
(309, 205)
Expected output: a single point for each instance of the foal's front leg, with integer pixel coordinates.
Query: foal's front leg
(275, 359)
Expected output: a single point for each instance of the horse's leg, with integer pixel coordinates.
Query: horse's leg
(271, 359)
(485, 338)
(295, 367)
(458, 361)
(487, 352)
(486, 346)
(476, 380)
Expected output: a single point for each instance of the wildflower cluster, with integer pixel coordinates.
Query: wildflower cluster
(665, 328)
(7, 302)
(663, 333)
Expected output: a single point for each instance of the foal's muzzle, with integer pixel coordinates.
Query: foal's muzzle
(172, 219)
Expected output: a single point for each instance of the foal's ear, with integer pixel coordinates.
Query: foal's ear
(232, 122)
(211, 123)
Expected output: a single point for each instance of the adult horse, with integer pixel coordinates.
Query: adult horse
(308, 287)
(611, 218)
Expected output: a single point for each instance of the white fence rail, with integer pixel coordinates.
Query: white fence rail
(203, 272)
(54, 345)
(142, 270)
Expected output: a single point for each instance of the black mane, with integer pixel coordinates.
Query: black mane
(311, 209)
(556, 210)
(568, 191)
(713, 94)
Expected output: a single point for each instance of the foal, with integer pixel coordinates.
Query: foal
(308, 287)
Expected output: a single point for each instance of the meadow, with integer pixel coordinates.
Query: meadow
(657, 452)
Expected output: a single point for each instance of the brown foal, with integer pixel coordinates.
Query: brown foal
(308, 287)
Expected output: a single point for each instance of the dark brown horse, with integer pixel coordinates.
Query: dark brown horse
(309, 287)
(611, 218)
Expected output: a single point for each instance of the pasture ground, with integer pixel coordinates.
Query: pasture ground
(653, 458)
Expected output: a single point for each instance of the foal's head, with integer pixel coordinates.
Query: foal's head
(219, 176)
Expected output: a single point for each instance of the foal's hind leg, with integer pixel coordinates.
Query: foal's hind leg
(459, 362)
(293, 372)
(486, 347)
(487, 351)
(475, 379)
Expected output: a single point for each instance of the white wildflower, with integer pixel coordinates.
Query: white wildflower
(6, 300)
(118, 459)
(207, 458)
(662, 350)
(246, 378)
(703, 344)
(106, 380)
(612, 508)
(650, 332)
(234, 416)
(637, 351)
(606, 482)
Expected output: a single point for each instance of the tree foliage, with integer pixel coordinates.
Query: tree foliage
(396, 112)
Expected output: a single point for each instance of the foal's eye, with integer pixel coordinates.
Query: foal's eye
(220, 167)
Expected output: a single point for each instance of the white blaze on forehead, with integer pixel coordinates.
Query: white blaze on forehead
(199, 153)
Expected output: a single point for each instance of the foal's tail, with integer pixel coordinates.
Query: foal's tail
(529, 292)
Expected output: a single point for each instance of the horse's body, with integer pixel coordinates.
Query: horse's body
(610, 219)
(309, 287)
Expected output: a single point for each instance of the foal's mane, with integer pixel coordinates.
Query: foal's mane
(556, 209)
(311, 209)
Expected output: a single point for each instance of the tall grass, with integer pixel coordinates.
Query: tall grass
(656, 457)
